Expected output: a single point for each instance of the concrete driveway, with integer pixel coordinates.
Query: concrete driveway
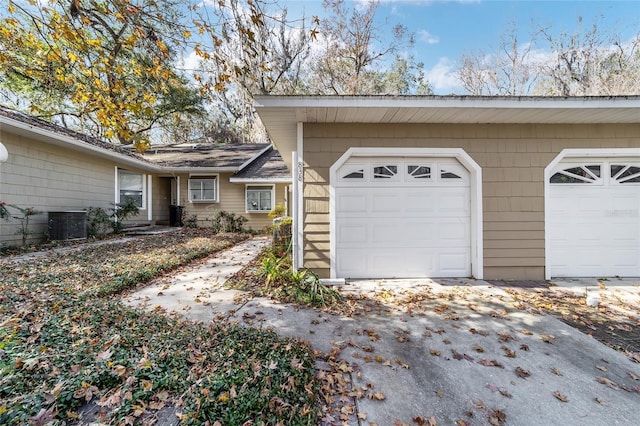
(430, 352)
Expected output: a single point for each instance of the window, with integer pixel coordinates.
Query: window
(419, 172)
(131, 187)
(578, 174)
(385, 172)
(203, 188)
(259, 198)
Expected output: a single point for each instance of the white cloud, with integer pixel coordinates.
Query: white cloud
(427, 37)
(190, 62)
(443, 77)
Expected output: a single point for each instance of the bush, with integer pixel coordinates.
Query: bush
(98, 222)
(223, 221)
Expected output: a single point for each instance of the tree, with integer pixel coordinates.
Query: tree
(352, 46)
(106, 65)
(590, 62)
(512, 70)
(274, 66)
(582, 63)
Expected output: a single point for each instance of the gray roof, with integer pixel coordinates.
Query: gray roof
(230, 156)
(269, 166)
(39, 123)
(260, 160)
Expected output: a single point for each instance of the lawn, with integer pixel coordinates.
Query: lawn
(67, 343)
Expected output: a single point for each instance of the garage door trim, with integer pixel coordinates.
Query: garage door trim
(459, 154)
(567, 155)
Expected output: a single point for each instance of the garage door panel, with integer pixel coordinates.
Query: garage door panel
(352, 233)
(593, 228)
(408, 228)
(352, 202)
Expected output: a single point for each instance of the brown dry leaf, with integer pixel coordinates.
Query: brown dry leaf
(505, 393)
(461, 422)
(476, 347)
(497, 417)
(555, 371)
(607, 382)
(490, 363)
(432, 421)
(505, 337)
(362, 416)
(522, 373)
(601, 368)
(434, 352)
(547, 338)
(526, 332)
(377, 395)
(456, 355)
(401, 363)
(508, 352)
(524, 347)
(601, 401)
(439, 393)
(560, 396)
(633, 376)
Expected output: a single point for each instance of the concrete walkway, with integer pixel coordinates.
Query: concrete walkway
(198, 292)
(454, 350)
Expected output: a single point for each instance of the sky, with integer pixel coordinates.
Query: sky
(445, 30)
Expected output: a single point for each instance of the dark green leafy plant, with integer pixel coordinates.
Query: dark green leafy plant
(122, 212)
(99, 222)
(68, 341)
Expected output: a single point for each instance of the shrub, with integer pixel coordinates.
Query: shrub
(191, 221)
(122, 212)
(223, 221)
(99, 222)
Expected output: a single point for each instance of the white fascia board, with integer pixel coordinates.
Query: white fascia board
(59, 139)
(258, 180)
(578, 102)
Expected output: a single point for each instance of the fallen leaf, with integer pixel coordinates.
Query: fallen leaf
(633, 376)
(490, 363)
(522, 373)
(439, 393)
(476, 347)
(497, 417)
(601, 368)
(508, 352)
(362, 416)
(560, 396)
(607, 382)
(547, 338)
(434, 352)
(601, 401)
(524, 347)
(555, 371)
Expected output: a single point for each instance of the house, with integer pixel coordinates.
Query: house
(524, 188)
(55, 169)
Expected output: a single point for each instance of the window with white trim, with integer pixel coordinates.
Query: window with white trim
(131, 187)
(203, 189)
(260, 198)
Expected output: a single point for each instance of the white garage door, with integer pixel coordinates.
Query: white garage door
(402, 217)
(593, 221)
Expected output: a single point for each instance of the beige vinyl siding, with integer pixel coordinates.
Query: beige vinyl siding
(512, 157)
(50, 178)
(231, 198)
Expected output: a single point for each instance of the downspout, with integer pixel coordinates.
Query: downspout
(4, 155)
(299, 211)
